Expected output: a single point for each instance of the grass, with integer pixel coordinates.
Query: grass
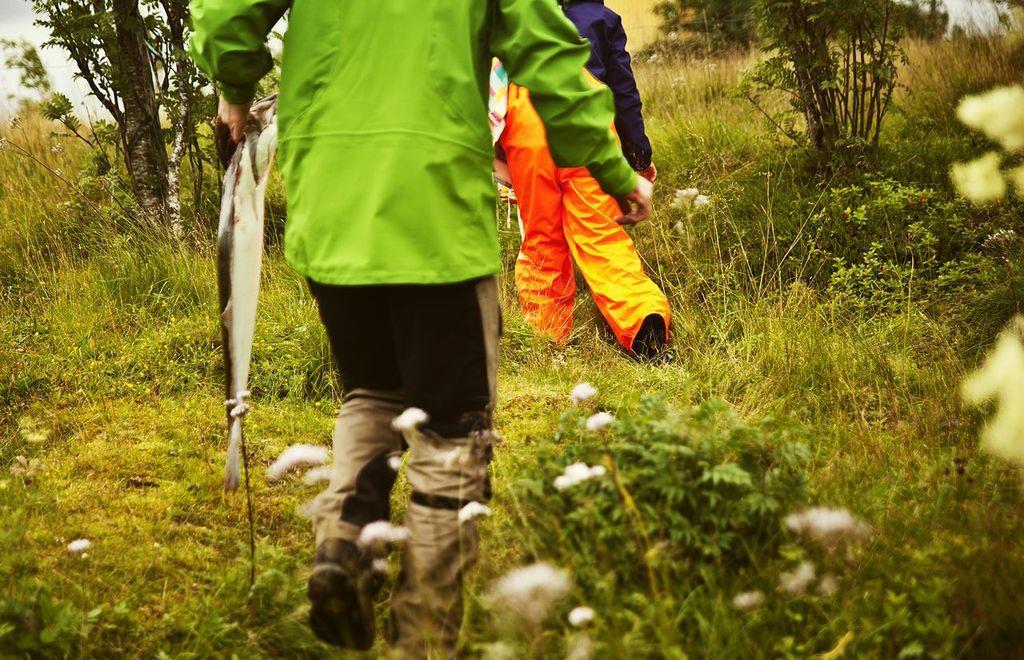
(110, 377)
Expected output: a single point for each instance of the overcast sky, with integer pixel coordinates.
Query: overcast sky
(16, 22)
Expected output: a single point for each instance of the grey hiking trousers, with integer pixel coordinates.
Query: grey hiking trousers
(432, 347)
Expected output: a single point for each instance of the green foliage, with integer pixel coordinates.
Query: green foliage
(23, 57)
(684, 492)
(837, 63)
(720, 22)
(35, 625)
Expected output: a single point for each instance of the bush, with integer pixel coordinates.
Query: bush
(682, 492)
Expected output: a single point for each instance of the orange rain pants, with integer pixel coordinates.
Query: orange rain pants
(566, 218)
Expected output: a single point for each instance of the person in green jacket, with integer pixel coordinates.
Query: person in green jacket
(386, 153)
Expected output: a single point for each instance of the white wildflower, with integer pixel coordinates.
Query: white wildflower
(577, 473)
(26, 468)
(381, 534)
(684, 198)
(827, 526)
(1001, 378)
(583, 392)
(472, 511)
(410, 420)
(748, 600)
(701, 201)
(79, 546)
(380, 565)
(999, 114)
(316, 475)
(980, 180)
(57, 148)
(527, 594)
(295, 457)
(828, 585)
(797, 581)
(600, 421)
(580, 616)
(395, 463)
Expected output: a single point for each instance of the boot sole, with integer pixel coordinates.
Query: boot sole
(341, 614)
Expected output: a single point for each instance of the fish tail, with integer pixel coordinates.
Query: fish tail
(232, 476)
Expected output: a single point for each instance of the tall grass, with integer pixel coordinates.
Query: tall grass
(110, 375)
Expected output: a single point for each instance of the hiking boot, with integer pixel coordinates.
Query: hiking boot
(650, 339)
(341, 596)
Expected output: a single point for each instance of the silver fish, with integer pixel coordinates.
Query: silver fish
(239, 259)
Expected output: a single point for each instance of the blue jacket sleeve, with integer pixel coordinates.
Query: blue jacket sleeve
(629, 121)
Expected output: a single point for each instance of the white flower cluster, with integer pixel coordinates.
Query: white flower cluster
(797, 581)
(827, 526)
(600, 421)
(380, 534)
(472, 511)
(583, 392)
(748, 600)
(410, 420)
(999, 114)
(295, 457)
(580, 616)
(1001, 378)
(79, 546)
(690, 199)
(577, 473)
(527, 594)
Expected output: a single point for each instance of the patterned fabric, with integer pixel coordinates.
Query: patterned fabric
(497, 104)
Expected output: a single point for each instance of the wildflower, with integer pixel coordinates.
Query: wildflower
(1001, 377)
(797, 581)
(381, 534)
(980, 180)
(79, 546)
(472, 511)
(701, 201)
(748, 600)
(577, 473)
(57, 148)
(1001, 239)
(316, 475)
(294, 457)
(684, 198)
(999, 114)
(26, 468)
(395, 463)
(583, 392)
(527, 594)
(580, 616)
(828, 585)
(410, 420)
(600, 421)
(829, 527)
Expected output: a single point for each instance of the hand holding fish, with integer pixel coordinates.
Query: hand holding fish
(229, 128)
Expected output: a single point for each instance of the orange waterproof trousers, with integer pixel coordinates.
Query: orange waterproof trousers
(566, 218)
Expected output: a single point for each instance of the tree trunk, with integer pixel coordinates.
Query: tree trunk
(142, 135)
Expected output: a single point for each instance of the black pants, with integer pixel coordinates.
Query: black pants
(425, 340)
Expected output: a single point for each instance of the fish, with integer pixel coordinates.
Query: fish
(239, 262)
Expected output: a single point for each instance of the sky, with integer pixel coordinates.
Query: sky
(16, 22)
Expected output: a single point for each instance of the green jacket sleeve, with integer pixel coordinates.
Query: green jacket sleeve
(542, 51)
(229, 42)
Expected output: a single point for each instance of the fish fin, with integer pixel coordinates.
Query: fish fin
(232, 476)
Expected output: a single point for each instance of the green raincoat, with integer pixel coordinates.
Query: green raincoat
(383, 133)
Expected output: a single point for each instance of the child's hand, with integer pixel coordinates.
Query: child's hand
(650, 173)
(638, 203)
(229, 128)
